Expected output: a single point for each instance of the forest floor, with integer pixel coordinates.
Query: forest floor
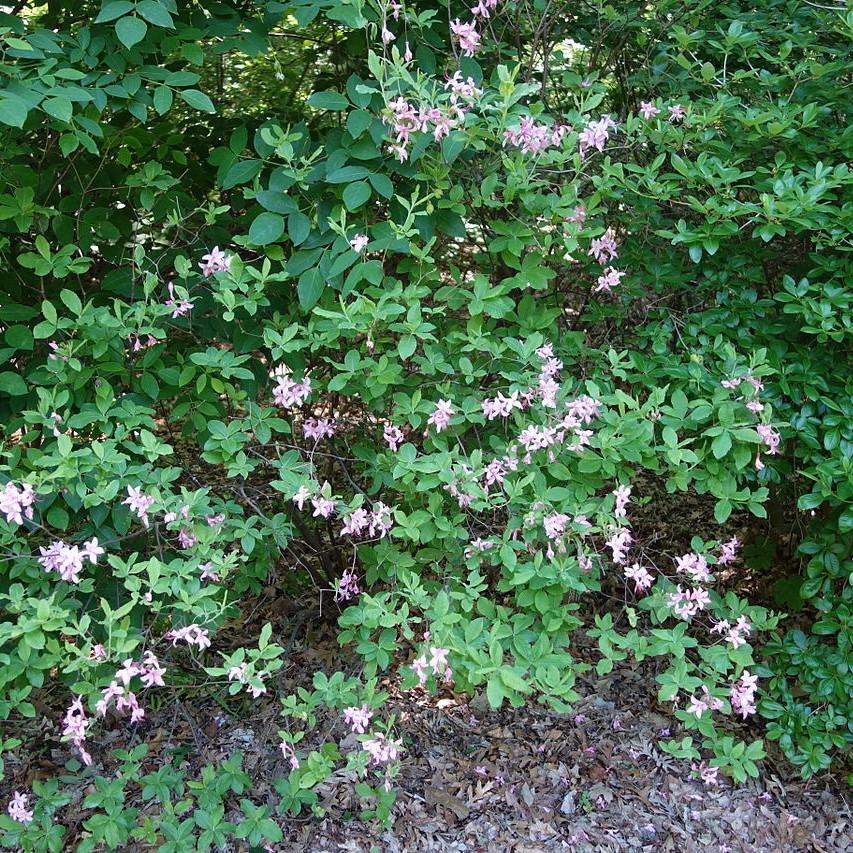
(510, 781)
(518, 780)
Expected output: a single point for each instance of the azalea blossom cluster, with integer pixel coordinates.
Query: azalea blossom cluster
(393, 436)
(735, 634)
(437, 663)
(641, 577)
(289, 394)
(67, 560)
(564, 428)
(16, 502)
(138, 343)
(149, 672)
(192, 635)
(138, 503)
(240, 673)
(605, 249)
(595, 135)
(17, 809)
(177, 304)
(317, 429)
(214, 261)
(75, 725)
(379, 521)
(358, 719)
(381, 749)
(707, 703)
(533, 138)
(347, 586)
(742, 694)
(406, 119)
(648, 111)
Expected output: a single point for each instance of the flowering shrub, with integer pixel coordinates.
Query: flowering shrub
(418, 355)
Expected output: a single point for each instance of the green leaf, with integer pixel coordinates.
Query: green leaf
(131, 30)
(382, 184)
(241, 172)
(721, 445)
(156, 14)
(333, 101)
(298, 227)
(13, 110)
(58, 108)
(495, 692)
(197, 100)
(266, 228)
(407, 346)
(355, 195)
(112, 10)
(163, 99)
(12, 384)
(358, 121)
(722, 511)
(514, 681)
(346, 174)
(310, 288)
(19, 337)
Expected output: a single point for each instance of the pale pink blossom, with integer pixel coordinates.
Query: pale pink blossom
(743, 694)
(323, 507)
(381, 749)
(622, 495)
(179, 306)
(138, 503)
(193, 635)
(393, 436)
(604, 248)
(16, 502)
(695, 566)
(770, 437)
(358, 719)
(467, 36)
(318, 428)
(301, 496)
(288, 393)
(440, 418)
(17, 809)
(75, 726)
(640, 575)
(676, 112)
(347, 586)
(214, 261)
(609, 279)
(728, 551)
(648, 110)
(359, 242)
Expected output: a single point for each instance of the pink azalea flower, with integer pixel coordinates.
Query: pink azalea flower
(393, 436)
(214, 261)
(467, 36)
(359, 242)
(301, 496)
(358, 719)
(648, 110)
(16, 502)
(17, 808)
(138, 503)
(622, 494)
(440, 418)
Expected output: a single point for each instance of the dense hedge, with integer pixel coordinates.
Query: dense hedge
(397, 311)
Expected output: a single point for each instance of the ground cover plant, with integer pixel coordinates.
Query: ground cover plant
(395, 320)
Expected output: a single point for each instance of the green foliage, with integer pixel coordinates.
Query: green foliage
(146, 383)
